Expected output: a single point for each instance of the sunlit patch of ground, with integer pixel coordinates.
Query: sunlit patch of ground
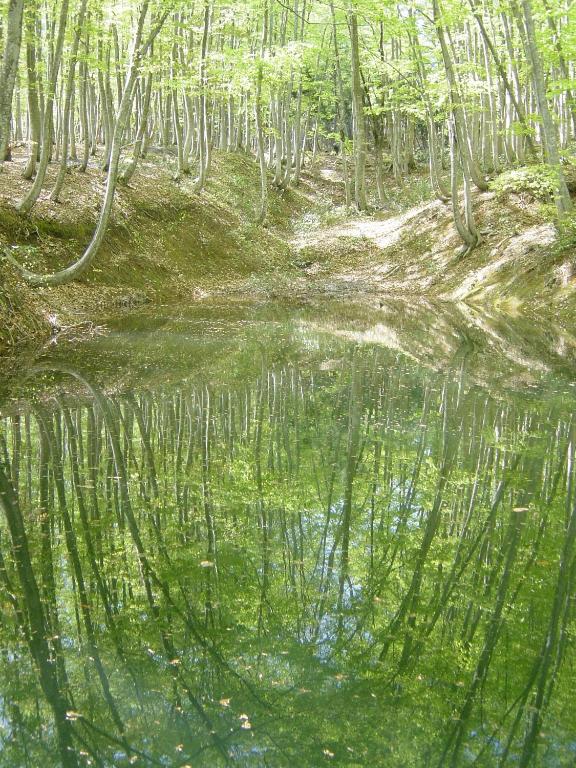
(506, 252)
(381, 232)
(329, 174)
(418, 252)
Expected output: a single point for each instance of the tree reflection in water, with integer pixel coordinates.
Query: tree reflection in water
(367, 563)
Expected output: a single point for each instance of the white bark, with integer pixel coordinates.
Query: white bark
(9, 70)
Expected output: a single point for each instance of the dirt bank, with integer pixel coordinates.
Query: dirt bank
(521, 264)
(167, 244)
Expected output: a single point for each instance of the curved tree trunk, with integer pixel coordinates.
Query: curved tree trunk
(76, 269)
(30, 198)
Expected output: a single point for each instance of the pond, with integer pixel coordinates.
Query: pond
(291, 536)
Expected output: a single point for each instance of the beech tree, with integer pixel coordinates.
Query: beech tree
(9, 70)
(471, 89)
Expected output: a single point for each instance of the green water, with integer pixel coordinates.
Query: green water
(264, 536)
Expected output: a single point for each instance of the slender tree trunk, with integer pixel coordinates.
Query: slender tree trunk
(549, 134)
(341, 107)
(34, 115)
(258, 119)
(9, 71)
(68, 102)
(460, 124)
(128, 171)
(28, 201)
(84, 123)
(76, 269)
(359, 121)
(203, 159)
(520, 113)
(465, 227)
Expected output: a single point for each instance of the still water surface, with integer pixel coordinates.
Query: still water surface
(270, 537)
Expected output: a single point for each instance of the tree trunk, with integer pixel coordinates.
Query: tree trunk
(341, 102)
(76, 269)
(562, 196)
(204, 156)
(359, 122)
(68, 102)
(258, 120)
(28, 201)
(8, 72)
(460, 124)
(34, 115)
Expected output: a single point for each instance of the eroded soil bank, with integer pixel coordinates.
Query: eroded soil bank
(167, 244)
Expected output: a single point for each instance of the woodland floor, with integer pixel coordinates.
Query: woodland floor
(167, 244)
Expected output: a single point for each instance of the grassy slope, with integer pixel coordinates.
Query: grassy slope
(165, 243)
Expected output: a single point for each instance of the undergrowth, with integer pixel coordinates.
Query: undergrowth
(539, 181)
(565, 244)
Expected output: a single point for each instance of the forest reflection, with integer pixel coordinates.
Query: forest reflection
(359, 562)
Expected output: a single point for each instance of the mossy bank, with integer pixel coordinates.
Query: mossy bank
(165, 243)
